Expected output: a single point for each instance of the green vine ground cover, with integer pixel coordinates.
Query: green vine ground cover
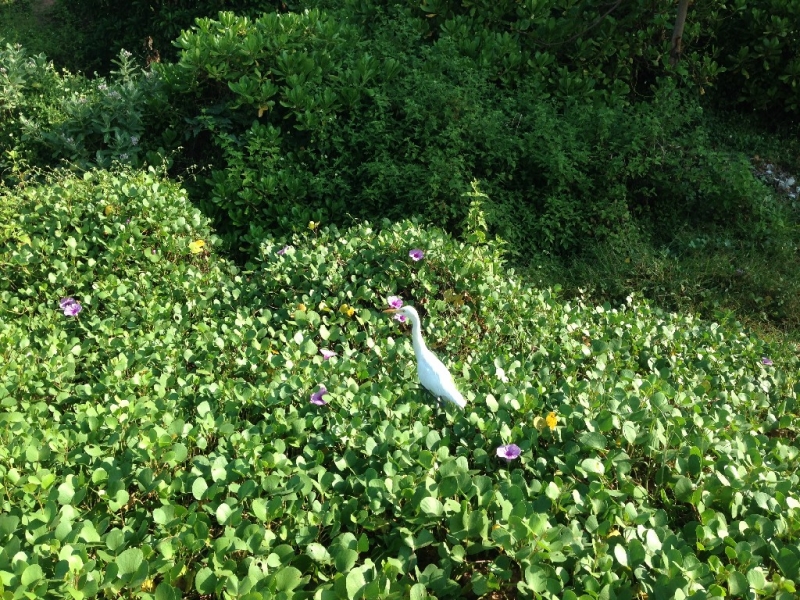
(161, 442)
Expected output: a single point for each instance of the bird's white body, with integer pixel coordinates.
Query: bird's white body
(432, 373)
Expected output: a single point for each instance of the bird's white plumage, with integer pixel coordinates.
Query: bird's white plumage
(433, 375)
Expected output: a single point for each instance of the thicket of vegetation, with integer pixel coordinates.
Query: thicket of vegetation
(162, 441)
(183, 231)
(605, 166)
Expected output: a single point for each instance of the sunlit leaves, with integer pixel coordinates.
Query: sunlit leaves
(176, 425)
(197, 246)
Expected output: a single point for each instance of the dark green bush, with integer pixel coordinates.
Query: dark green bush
(323, 149)
(759, 43)
(267, 85)
(148, 28)
(313, 117)
(307, 129)
(581, 48)
(586, 48)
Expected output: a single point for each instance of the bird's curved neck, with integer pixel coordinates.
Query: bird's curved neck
(416, 336)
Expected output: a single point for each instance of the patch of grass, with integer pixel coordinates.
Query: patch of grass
(759, 289)
(747, 271)
(715, 277)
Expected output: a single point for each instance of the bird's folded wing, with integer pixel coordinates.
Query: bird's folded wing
(435, 376)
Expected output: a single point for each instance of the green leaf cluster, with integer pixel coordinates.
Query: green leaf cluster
(53, 118)
(162, 442)
(759, 44)
(307, 128)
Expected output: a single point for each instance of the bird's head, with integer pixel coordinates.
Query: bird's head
(407, 311)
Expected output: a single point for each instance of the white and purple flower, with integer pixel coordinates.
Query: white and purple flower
(70, 306)
(509, 452)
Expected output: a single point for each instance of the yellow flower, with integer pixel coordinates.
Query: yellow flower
(347, 309)
(312, 226)
(301, 306)
(109, 209)
(552, 420)
(197, 246)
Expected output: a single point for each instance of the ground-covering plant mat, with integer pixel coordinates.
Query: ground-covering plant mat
(158, 437)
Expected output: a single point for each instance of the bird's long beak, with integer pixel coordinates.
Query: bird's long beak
(391, 310)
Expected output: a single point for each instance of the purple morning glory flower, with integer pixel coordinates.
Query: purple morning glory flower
(395, 302)
(400, 317)
(509, 452)
(70, 306)
(766, 361)
(73, 309)
(283, 250)
(316, 397)
(327, 354)
(416, 254)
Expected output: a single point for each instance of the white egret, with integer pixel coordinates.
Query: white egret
(433, 375)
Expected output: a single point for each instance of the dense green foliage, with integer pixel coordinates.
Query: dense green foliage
(759, 44)
(51, 118)
(197, 243)
(308, 128)
(577, 48)
(50, 30)
(162, 440)
(583, 48)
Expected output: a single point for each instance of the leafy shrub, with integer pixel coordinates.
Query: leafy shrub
(313, 133)
(30, 90)
(162, 441)
(147, 28)
(759, 52)
(114, 120)
(310, 130)
(53, 117)
(579, 174)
